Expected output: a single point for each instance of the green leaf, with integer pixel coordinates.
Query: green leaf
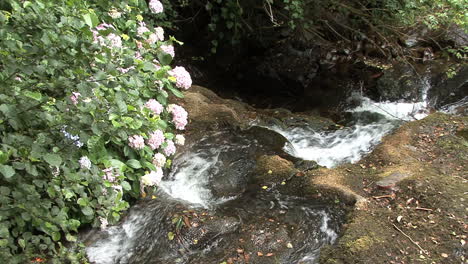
(53, 159)
(91, 19)
(175, 91)
(4, 157)
(70, 238)
(88, 211)
(22, 243)
(126, 186)
(82, 201)
(7, 171)
(133, 163)
(34, 95)
(164, 58)
(56, 236)
(149, 165)
(170, 236)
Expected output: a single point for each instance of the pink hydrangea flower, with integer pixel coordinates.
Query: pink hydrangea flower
(109, 174)
(169, 49)
(183, 79)
(155, 6)
(142, 29)
(159, 160)
(136, 142)
(179, 116)
(156, 139)
(74, 97)
(138, 56)
(154, 106)
(152, 178)
(152, 38)
(114, 40)
(170, 149)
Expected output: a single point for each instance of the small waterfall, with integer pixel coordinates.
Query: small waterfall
(371, 122)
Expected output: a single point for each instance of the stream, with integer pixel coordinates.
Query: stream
(210, 189)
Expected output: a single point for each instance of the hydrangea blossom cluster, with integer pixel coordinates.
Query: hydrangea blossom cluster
(142, 29)
(152, 178)
(136, 142)
(170, 149)
(74, 97)
(85, 163)
(183, 79)
(155, 140)
(112, 40)
(159, 33)
(159, 160)
(179, 116)
(155, 6)
(152, 38)
(109, 174)
(154, 106)
(169, 49)
(179, 140)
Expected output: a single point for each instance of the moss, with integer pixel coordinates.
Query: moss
(360, 244)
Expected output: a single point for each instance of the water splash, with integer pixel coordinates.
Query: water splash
(350, 144)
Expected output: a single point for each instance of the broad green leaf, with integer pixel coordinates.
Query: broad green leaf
(7, 171)
(34, 95)
(164, 58)
(53, 159)
(126, 186)
(83, 201)
(133, 163)
(175, 91)
(91, 19)
(88, 211)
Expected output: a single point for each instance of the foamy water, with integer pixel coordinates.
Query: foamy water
(350, 144)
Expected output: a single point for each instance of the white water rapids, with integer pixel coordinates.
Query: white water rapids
(350, 144)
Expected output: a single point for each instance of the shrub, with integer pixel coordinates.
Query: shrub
(84, 89)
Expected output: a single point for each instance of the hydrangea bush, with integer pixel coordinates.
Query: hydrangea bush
(85, 123)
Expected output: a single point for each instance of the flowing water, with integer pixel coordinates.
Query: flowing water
(210, 184)
(370, 122)
(212, 179)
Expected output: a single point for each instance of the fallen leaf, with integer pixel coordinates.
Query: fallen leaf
(259, 254)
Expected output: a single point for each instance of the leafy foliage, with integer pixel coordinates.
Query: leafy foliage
(74, 78)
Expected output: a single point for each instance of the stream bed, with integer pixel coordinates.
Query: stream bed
(209, 209)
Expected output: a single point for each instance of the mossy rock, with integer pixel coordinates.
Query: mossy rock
(273, 169)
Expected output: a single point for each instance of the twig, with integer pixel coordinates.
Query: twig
(420, 248)
(383, 196)
(424, 209)
(326, 22)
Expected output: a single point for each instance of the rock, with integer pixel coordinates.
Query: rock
(447, 90)
(273, 169)
(392, 180)
(457, 35)
(401, 82)
(211, 230)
